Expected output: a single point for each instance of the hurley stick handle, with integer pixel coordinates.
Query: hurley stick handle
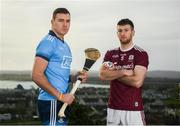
(63, 108)
(78, 82)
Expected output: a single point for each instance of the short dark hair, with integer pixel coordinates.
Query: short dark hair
(125, 22)
(60, 10)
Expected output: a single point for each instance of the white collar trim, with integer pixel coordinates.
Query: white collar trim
(125, 50)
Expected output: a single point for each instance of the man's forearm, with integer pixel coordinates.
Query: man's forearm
(131, 81)
(111, 74)
(43, 83)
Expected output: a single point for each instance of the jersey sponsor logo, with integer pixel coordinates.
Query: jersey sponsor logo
(66, 63)
(128, 66)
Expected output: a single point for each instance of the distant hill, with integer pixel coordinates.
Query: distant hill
(164, 74)
(15, 75)
(26, 75)
(152, 74)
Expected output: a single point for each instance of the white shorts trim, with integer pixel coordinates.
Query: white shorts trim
(53, 113)
(123, 117)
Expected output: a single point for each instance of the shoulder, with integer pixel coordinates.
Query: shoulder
(48, 41)
(139, 50)
(140, 53)
(111, 53)
(113, 50)
(141, 56)
(49, 38)
(46, 44)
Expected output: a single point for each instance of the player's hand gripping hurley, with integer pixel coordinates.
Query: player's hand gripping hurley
(92, 55)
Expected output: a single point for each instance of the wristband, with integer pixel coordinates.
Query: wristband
(61, 97)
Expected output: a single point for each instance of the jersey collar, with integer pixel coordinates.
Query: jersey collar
(125, 50)
(53, 34)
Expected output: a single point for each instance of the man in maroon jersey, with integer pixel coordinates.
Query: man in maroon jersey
(126, 68)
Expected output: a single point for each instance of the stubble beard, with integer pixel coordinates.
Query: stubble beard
(126, 42)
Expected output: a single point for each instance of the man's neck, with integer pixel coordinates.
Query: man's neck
(127, 46)
(58, 35)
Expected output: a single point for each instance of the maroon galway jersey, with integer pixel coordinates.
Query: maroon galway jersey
(122, 96)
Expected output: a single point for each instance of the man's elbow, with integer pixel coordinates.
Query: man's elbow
(101, 77)
(138, 83)
(35, 76)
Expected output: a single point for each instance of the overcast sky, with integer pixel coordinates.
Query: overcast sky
(93, 24)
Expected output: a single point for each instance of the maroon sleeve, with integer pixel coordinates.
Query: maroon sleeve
(142, 59)
(107, 56)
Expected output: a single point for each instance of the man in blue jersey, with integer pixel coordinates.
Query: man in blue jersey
(51, 70)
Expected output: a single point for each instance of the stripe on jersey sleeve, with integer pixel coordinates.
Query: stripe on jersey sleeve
(44, 57)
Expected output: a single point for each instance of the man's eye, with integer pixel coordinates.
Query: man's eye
(60, 20)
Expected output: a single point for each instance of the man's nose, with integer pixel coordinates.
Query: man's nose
(65, 23)
(122, 33)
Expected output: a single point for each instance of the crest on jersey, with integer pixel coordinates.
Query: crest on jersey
(136, 104)
(131, 58)
(66, 63)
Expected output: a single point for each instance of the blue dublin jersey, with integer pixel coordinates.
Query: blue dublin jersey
(59, 57)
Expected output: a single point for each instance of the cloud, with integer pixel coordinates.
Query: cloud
(25, 22)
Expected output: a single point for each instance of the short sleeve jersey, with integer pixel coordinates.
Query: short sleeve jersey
(59, 57)
(122, 96)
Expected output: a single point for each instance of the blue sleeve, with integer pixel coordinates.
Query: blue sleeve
(45, 49)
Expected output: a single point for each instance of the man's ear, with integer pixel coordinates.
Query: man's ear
(133, 32)
(51, 21)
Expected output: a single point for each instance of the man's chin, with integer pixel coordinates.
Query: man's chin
(65, 32)
(125, 42)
